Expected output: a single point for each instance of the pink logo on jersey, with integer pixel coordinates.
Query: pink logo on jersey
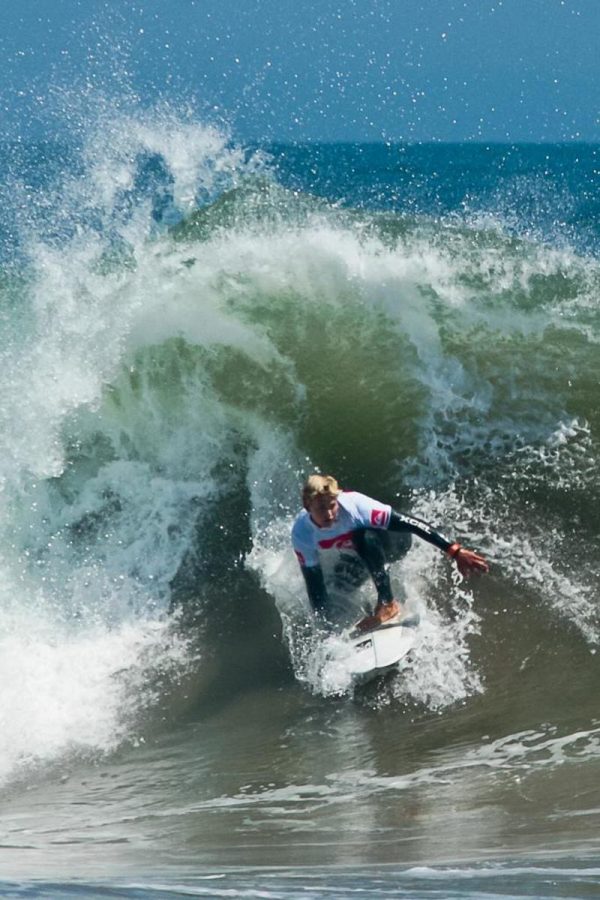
(341, 541)
(378, 518)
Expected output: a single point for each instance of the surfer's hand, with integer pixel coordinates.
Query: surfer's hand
(468, 561)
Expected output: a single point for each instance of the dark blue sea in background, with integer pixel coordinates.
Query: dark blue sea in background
(548, 190)
(189, 326)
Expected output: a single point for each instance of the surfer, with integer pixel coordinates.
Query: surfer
(336, 519)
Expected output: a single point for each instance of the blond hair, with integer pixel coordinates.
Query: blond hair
(319, 486)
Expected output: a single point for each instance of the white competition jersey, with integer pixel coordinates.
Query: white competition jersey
(355, 511)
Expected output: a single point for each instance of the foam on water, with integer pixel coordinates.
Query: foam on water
(76, 691)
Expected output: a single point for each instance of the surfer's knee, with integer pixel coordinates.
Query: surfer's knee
(397, 545)
(367, 543)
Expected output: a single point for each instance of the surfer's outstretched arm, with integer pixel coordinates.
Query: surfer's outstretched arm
(467, 561)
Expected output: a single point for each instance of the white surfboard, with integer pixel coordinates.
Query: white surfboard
(383, 647)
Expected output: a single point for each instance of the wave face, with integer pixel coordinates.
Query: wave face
(189, 329)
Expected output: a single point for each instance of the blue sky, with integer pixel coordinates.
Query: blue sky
(295, 70)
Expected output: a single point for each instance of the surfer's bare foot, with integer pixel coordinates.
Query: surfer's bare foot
(383, 613)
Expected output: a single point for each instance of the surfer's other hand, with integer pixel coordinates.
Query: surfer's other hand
(468, 561)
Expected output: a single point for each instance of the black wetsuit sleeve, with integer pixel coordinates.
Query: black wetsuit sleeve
(399, 522)
(315, 587)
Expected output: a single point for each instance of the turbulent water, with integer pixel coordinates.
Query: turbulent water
(188, 328)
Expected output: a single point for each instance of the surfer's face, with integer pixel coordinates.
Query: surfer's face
(323, 510)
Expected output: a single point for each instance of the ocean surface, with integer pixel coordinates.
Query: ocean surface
(188, 327)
